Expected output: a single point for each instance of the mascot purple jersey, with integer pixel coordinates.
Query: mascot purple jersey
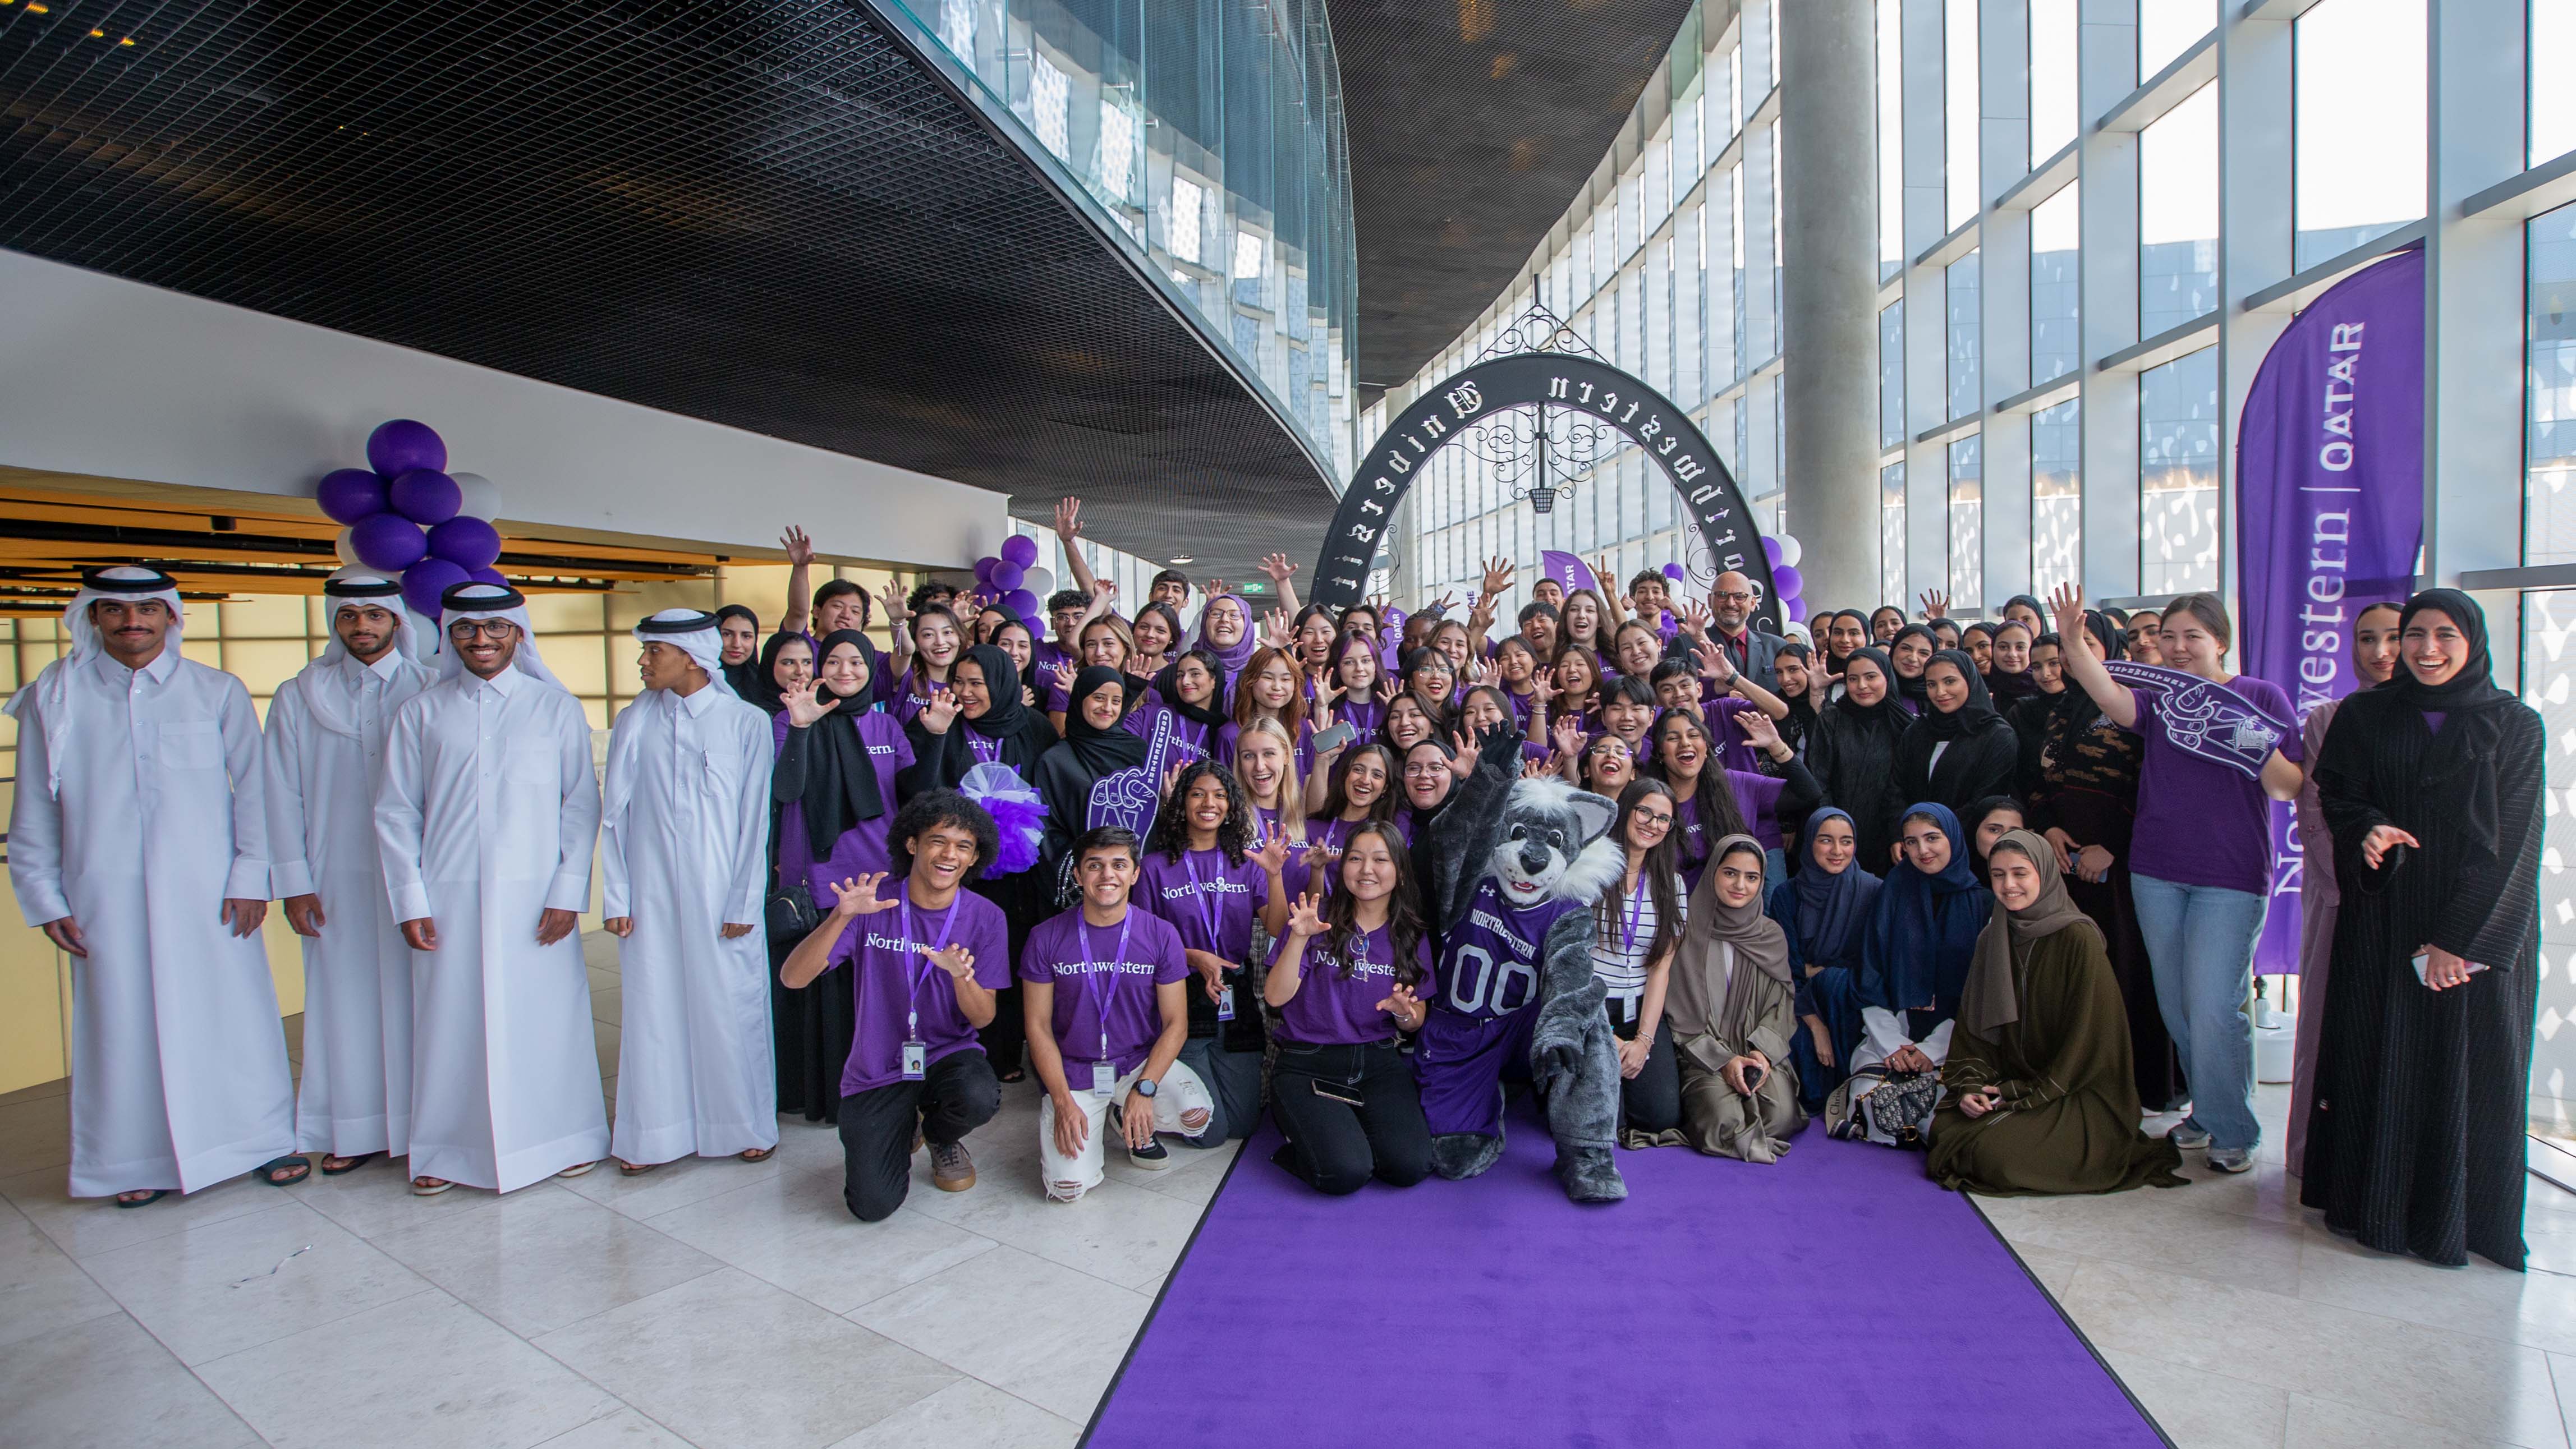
(1487, 964)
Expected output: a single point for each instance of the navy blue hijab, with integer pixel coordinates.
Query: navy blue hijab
(1924, 933)
(1828, 916)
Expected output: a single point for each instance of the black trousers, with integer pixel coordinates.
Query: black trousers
(1335, 1147)
(954, 1097)
(1650, 1101)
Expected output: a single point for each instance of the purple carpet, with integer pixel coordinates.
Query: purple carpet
(1836, 1298)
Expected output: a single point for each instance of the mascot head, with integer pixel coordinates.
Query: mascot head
(1555, 843)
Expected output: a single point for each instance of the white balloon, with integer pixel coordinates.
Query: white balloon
(482, 497)
(347, 550)
(1037, 581)
(1790, 551)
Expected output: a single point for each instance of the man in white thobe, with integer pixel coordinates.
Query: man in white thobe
(139, 844)
(684, 853)
(486, 818)
(325, 749)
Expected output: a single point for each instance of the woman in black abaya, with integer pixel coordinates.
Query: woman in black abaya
(2431, 784)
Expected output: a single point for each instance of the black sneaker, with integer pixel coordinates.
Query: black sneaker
(1152, 1157)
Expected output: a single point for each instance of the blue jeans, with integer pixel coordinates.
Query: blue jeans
(2200, 941)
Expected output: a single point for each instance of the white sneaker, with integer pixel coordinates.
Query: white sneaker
(2189, 1136)
(2231, 1159)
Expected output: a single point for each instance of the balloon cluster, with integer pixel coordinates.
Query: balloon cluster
(1784, 553)
(404, 514)
(1012, 580)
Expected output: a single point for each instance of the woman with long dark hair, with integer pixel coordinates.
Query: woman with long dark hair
(1361, 787)
(937, 640)
(2432, 787)
(1636, 924)
(1705, 809)
(1266, 688)
(1349, 980)
(1225, 899)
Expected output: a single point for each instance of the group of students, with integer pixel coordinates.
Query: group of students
(1998, 903)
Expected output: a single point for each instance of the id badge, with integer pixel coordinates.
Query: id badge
(1104, 1078)
(913, 1060)
(1225, 1003)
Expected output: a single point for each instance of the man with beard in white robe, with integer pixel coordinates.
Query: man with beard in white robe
(684, 857)
(325, 750)
(139, 843)
(486, 817)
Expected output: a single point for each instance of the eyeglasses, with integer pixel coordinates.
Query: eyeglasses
(1425, 770)
(1652, 822)
(487, 628)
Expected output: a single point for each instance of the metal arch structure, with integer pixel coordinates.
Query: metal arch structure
(1582, 385)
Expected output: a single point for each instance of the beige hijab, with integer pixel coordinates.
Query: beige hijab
(1756, 938)
(1989, 1000)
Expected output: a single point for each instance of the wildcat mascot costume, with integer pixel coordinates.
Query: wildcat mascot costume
(1515, 867)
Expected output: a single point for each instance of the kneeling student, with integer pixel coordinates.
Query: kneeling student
(922, 984)
(1348, 980)
(1103, 990)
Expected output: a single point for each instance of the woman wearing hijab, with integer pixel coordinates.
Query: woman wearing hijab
(1731, 1008)
(1908, 653)
(2083, 800)
(739, 627)
(1095, 746)
(2432, 787)
(1885, 623)
(1225, 632)
(1914, 963)
(1192, 689)
(1987, 821)
(2008, 676)
(1824, 911)
(1958, 750)
(983, 718)
(1800, 675)
(842, 767)
(1852, 753)
(2038, 1094)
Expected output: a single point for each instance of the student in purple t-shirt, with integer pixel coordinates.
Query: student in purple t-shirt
(1203, 876)
(2200, 866)
(1348, 980)
(924, 964)
(1104, 990)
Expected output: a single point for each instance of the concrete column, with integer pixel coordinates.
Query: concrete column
(1828, 128)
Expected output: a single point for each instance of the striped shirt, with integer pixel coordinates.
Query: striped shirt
(1625, 930)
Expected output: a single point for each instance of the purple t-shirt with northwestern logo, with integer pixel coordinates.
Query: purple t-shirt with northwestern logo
(1209, 900)
(889, 979)
(1332, 1010)
(1491, 961)
(1101, 993)
(2201, 823)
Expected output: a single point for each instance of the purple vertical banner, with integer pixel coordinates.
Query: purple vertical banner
(2329, 508)
(1570, 572)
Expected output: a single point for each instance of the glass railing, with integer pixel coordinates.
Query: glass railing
(1208, 134)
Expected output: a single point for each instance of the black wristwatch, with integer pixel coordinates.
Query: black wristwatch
(1145, 1086)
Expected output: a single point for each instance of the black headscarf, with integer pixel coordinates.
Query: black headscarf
(840, 783)
(1967, 718)
(1023, 732)
(764, 689)
(2008, 686)
(2461, 765)
(1167, 684)
(1802, 709)
(1101, 751)
(1912, 690)
(1887, 714)
(747, 676)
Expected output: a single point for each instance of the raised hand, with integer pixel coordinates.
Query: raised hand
(1404, 1006)
(1479, 672)
(1274, 630)
(1214, 587)
(1278, 568)
(1439, 606)
(1271, 855)
(1609, 581)
(2066, 602)
(940, 713)
(1540, 769)
(1068, 519)
(1172, 776)
(1463, 763)
(1936, 603)
(1061, 674)
(1387, 690)
(1498, 577)
(1758, 728)
(1306, 918)
(1569, 738)
(800, 549)
(1696, 618)
(858, 896)
(956, 960)
(802, 708)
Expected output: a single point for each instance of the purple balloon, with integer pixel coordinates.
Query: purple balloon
(489, 575)
(1786, 580)
(1797, 611)
(1771, 551)
(1006, 577)
(984, 568)
(400, 446)
(426, 580)
(425, 496)
(1020, 549)
(388, 542)
(1673, 572)
(349, 494)
(1021, 603)
(470, 542)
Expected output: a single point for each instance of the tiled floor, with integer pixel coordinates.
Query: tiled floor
(718, 1303)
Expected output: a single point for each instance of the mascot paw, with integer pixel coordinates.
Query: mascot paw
(1460, 1155)
(1587, 1174)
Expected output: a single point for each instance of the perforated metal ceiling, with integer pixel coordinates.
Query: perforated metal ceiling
(764, 213)
(1472, 124)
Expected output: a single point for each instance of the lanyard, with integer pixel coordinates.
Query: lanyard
(1207, 905)
(1082, 930)
(916, 967)
(1636, 905)
(986, 751)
